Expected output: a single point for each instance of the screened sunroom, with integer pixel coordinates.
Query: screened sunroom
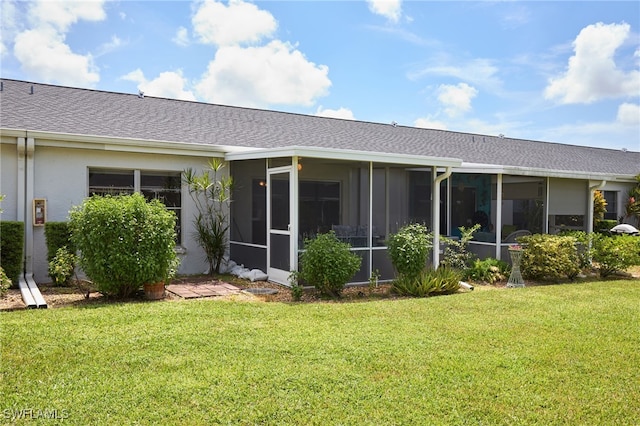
(283, 197)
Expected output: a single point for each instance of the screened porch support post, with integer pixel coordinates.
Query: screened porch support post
(370, 233)
(545, 225)
(294, 211)
(498, 216)
(435, 211)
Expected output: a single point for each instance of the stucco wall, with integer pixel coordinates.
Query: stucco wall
(8, 184)
(61, 177)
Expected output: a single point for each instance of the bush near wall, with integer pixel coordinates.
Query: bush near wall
(615, 253)
(11, 249)
(549, 257)
(124, 242)
(604, 225)
(58, 235)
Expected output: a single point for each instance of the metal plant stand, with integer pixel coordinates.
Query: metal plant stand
(515, 279)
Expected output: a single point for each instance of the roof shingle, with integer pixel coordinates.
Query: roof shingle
(60, 109)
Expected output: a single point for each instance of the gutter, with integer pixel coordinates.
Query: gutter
(28, 289)
(435, 211)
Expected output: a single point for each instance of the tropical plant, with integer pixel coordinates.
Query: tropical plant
(62, 266)
(428, 282)
(488, 270)
(409, 249)
(599, 206)
(456, 254)
(124, 242)
(211, 194)
(328, 264)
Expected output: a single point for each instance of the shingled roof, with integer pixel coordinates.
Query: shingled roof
(49, 108)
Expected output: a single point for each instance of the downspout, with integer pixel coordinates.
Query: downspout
(498, 216)
(435, 211)
(26, 161)
(592, 188)
(27, 297)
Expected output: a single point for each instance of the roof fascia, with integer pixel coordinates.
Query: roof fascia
(344, 154)
(78, 141)
(532, 171)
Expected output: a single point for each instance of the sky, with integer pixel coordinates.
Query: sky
(556, 71)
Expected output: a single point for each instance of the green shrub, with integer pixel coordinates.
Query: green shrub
(409, 249)
(328, 264)
(615, 253)
(428, 282)
(549, 257)
(57, 235)
(62, 266)
(5, 282)
(455, 254)
(488, 270)
(124, 242)
(604, 225)
(11, 249)
(297, 289)
(583, 243)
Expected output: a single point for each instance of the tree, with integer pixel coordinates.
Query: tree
(211, 194)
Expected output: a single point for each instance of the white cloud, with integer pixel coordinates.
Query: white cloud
(456, 99)
(182, 37)
(276, 73)
(429, 123)
(629, 114)
(169, 84)
(341, 112)
(390, 9)
(62, 14)
(239, 22)
(42, 50)
(592, 73)
(479, 72)
(44, 54)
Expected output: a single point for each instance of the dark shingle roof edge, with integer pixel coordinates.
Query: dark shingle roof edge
(197, 125)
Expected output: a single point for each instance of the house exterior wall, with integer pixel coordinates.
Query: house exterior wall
(8, 184)
(622, 190)
(61, 176)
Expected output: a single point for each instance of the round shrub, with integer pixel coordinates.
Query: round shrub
(328, 264)
(124, 242)
(615, 253)
(409, 249)
(549, 257)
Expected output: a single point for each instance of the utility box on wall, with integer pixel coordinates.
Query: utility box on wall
(39, 211)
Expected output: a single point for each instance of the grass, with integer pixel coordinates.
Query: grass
(565, 354)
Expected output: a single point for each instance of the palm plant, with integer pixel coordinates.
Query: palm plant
(211, 194)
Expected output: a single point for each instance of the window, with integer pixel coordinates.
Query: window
(611, 197)
(111, 182)
(164, 186)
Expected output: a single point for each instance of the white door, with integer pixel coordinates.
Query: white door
(279, 229)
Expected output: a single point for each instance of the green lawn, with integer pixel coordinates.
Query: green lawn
(562, 354)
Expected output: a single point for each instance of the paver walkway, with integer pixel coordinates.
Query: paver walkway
(192, 291)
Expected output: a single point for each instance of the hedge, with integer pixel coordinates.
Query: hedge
(58, 235)
(11, 249)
